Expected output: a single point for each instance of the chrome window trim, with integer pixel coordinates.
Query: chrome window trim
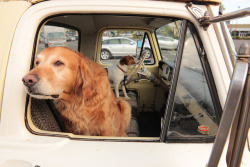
(232, 104)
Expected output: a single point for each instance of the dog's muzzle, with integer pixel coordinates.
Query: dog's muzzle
(30, 81)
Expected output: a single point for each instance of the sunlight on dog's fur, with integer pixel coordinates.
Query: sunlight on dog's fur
(81, 92)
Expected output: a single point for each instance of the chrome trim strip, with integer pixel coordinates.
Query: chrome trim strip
(241, 126)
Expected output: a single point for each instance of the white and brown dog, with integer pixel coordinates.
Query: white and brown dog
(116, 73)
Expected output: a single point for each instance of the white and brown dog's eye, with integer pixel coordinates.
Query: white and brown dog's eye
(58, 63)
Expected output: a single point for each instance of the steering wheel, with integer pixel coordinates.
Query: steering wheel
(136, 68)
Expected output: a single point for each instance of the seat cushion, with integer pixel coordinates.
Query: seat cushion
(45, 116)
(42, 116)
(133, 130)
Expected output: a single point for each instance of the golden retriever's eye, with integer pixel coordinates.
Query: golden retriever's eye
(58, 63)
(37, 63)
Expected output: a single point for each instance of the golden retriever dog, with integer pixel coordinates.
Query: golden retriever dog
(81, 92)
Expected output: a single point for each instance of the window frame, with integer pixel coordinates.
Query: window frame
(176, 70)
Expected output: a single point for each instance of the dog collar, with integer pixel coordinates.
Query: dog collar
(121, 69)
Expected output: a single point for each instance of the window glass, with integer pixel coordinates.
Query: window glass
(126, 41)
(147, 49)
(105, 42)
(168, 39)
(114, 41)
(118, 43)
(58, 36)
(193, 112)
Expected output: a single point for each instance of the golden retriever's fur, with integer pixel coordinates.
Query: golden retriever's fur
(81, 91)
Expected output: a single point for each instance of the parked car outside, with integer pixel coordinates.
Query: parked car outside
(56, 39)
(117, 46)
(167, 43)
(122, 46)
(54, 36)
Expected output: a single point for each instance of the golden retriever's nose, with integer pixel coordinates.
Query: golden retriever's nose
(30, 80)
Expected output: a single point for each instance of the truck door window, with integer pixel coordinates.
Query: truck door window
(168, 39)
(58, 36)
(193, 112)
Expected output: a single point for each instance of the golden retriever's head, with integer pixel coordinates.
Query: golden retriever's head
(58, 71)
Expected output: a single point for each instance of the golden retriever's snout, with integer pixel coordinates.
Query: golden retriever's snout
(30, 80)
(34, 88)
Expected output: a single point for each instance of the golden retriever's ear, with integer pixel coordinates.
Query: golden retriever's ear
(83, 74)
(77, 88)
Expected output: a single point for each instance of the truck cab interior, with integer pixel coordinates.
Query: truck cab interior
(181, 104)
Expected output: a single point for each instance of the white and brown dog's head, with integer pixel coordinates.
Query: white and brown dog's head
(127, 60)
(58, 71)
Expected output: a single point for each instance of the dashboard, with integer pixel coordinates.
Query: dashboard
(166, 71)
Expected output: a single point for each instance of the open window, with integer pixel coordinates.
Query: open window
(192, 112)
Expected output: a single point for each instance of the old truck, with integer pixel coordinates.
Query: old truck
(190, 105)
